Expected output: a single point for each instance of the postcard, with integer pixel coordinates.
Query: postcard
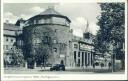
(63, 40)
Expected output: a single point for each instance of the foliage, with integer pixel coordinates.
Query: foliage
(111, 24)
(43, 41)
(17, 55)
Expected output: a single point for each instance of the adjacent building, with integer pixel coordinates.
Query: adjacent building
(83, 50)
(11, 33)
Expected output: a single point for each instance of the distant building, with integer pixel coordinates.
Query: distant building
(83, 51)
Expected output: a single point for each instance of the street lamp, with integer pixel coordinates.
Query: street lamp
(112, 55)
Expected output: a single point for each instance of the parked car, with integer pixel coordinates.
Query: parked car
(58, 67)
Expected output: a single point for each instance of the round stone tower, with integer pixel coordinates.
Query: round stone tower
(47, 38)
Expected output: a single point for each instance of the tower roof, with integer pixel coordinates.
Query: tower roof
(50, 12)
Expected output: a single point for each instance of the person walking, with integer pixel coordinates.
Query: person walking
(109, 65)
(102, 65)
(41, 65)
(94, 66)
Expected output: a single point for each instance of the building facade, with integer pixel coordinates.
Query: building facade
(52, 30)
(10, 35)
(47, 38)
(83, 51)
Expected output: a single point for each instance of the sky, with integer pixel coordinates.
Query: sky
(78, 13)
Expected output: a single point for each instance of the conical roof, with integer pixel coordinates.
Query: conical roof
(50, 11)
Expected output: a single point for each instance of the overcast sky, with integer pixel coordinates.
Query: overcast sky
(78, 13)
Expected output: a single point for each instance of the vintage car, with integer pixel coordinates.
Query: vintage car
(58, 67)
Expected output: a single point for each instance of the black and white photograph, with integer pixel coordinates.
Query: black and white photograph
(64, 38)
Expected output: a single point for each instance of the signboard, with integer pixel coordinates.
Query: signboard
(85, 46)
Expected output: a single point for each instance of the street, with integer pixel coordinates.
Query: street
(38, 70)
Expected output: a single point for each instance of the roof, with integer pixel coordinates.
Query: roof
(11, 27)
(20, 21)
(50, 11)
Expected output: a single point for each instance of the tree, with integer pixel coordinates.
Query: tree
(17, 55)
(42, 53)
(43, 43)
(112, 28)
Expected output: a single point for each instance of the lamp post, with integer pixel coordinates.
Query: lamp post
(112, 55)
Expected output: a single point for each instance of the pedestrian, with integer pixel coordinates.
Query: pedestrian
(102, 65)
(94, 65)
(109, 64)
(82, 66)
(41, 65)
(86, 65)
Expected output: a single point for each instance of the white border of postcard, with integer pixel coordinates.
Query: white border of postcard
(110, 76)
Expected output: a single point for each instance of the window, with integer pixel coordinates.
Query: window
(6, 47)
(35, 41)
(42, 21)
(34, 21)
(47, 20)
(57, 20)
(87, 35)
(38, 41)
(47, 40)
(56, 30)
(10, 57)
(6, 39)
(54, 41)
(75, 46)
(11, 40)
(55, 49)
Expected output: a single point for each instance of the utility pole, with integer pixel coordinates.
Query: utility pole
(112, 62)
(113, 56)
